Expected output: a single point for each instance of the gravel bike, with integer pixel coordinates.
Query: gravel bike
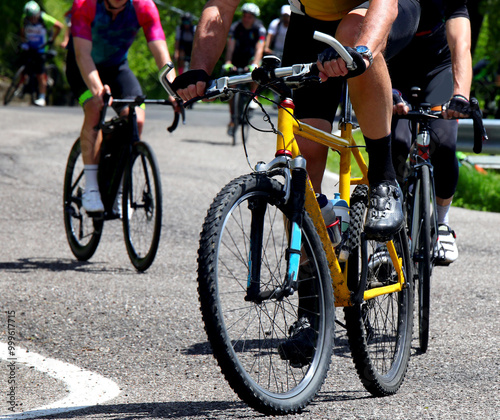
(420, 198)
(266, 267)
(130, 187)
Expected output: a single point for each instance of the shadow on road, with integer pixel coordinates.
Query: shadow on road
(25, 265)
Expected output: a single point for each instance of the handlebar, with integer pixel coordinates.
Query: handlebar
(480, 136)
(220, 87)
(138, 101)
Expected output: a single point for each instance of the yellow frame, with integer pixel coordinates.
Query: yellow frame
(346, 146)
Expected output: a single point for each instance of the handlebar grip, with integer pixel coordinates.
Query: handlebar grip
(337, 46)
(172, 128)
(480, 135)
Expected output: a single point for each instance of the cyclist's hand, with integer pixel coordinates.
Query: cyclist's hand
(191, 84)
(228, 68)
(457, 107)
(251, 67)
(330, 64)
(400, 106)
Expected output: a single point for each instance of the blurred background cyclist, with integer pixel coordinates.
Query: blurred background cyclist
(38, 31)
(184, 36)
(276, 33)
(245, 47)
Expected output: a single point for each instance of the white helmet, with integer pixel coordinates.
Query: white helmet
(251, 8)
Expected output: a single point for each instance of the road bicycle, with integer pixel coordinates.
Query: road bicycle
(130, 187)
(266, 267)
(242, 111)
(24, 81)
(420, 199)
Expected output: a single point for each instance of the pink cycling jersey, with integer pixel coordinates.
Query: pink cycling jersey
(112, 38)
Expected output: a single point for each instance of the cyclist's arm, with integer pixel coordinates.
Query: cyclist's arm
(88, 70)
(458, 33)
(373, 33)
(53, 23)
(229, 50)
(161, 55)
(209, 42)
(259, 53)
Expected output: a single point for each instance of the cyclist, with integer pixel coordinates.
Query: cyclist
(373, 31)
(369, 28)
(275, 39)
(245, 47)
(36, 28)
(102, 33)
(444, 39)
(184, 35)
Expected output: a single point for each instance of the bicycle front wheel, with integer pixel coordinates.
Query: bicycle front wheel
(423, 219)
(379, 329)
(14, 86)
(82, 231)
(142, 207)
(245, 228)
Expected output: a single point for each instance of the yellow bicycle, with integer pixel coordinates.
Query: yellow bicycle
(266, 269)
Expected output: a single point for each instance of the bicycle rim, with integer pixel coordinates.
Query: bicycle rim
(82, 231)
(244, 334)
(380, 329)
(142, 207)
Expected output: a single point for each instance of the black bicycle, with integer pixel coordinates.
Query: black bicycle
(130, 187)
(420, 199)
(242, 109)
(25, 82)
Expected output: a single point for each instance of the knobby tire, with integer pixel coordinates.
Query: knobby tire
(244, 334)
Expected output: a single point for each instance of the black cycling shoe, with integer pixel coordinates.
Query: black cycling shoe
(385, 211)
(299, 348)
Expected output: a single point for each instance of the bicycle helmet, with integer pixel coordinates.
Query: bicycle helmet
(251, 8)
(187, 18)
(31, 9)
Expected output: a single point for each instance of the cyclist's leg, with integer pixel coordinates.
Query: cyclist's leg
(372, 101)
(124, 84)
(315, 105)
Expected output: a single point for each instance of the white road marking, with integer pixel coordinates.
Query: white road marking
(85, 388)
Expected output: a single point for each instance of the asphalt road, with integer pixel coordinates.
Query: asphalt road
(144, 331)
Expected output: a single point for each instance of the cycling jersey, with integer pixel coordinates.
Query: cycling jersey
(37, 34)
(246, 41)
(185, 36)
(324, 10)
(278, 31)
(111, 39)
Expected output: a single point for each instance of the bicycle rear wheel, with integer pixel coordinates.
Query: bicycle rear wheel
(245, 333)
(142, 207)
(14, 86)
(423, 228)
(379, 329)
(82, 231)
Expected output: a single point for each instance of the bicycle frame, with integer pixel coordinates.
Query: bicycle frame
(345, 144)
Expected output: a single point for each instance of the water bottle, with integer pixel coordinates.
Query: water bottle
(341, 210)
(331, 222)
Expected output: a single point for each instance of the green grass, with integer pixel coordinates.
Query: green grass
(332, 164)
(477, 190)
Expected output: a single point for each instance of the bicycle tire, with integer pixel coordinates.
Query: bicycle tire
(379, 330)
(244, 335)
(82, 231)
(14, 86)
(423, 251)
(142, 206)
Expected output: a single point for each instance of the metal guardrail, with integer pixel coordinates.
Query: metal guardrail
(465, 138)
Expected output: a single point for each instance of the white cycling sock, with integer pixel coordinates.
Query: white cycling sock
(91, 177)
(442, 213)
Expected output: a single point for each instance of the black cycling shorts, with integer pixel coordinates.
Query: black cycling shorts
(121, 80)
(321, 101)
